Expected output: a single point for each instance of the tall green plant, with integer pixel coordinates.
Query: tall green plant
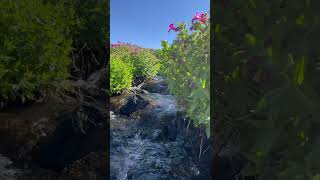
(145, 64)
(121, 75)
(129, 62)
(186, 66)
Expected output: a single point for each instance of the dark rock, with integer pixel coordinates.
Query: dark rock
(133, 104)
(155, 85)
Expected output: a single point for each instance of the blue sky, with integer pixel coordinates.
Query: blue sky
(145, 22)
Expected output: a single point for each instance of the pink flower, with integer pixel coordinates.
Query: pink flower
(171, 27)
(199, 17)
(115, 45)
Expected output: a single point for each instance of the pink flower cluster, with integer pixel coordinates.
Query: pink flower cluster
(172, 27)
(132, 48)
(201, 17)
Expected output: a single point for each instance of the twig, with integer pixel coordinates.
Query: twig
(200, 150)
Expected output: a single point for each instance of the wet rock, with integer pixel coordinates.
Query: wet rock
(128, 102)
(133, 104)
(155, 85)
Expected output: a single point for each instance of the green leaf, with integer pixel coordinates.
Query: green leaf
(218, 28)
(300, 20)
(252, 39)
(269, 51)
(203, 84)
(299, 72)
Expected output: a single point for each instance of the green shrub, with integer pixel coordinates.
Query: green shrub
(130, 62)
(121, 52)
(144, 61)
(185, 64)
(34, 47)
(121, 75)
(145, 64)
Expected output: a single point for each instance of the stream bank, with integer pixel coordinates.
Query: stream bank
(61, 138)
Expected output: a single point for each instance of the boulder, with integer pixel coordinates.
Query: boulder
(133, 104)
(155, 85)
(128, 102)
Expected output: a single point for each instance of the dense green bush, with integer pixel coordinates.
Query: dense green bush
(35, 45)
(121, 75)
(267, 85)
(141, 63)
(144, 61)
(121, 52)
(186, 66)
(145, 64)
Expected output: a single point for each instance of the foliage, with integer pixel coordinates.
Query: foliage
(145, 64)
(185, 64)
(34, 47)
(129, 61)
(267, 86)
(144, 61)
(121, 74)
(122, 52)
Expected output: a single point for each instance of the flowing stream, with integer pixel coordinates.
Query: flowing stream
(141, 147)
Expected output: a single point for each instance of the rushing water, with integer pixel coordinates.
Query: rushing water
(136, 153)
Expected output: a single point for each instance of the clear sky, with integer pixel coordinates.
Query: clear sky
(146, 22)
